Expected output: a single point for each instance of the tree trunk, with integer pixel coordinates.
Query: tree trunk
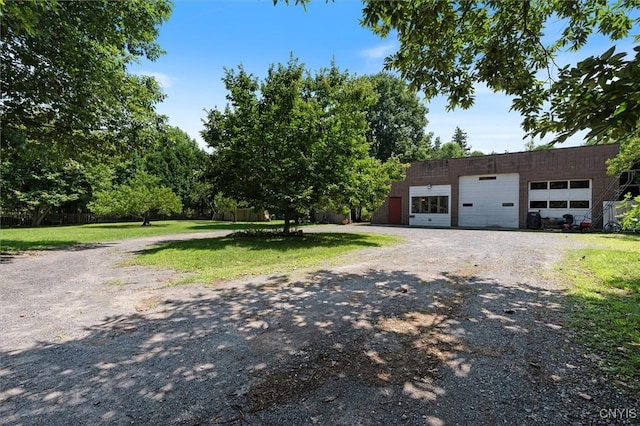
(145, 220)
(287, 225)
(39, 214)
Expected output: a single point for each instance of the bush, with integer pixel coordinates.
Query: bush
(630, 219)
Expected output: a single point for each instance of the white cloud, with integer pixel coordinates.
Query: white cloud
(379, 52)
(165, 80)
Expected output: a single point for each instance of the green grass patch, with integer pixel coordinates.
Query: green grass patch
(50, 237)
(213, 259)
(605, 290)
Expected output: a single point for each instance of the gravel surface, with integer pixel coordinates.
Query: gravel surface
(451, 327)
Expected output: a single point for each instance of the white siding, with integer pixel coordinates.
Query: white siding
(430, 219)
(489, 201)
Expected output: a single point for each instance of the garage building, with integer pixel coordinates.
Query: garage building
(499, 190)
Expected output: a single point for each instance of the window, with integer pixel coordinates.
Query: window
(415, 204)
(538, 185)
(467, 204)
(579, 204)
(431, 204)
(560, 184)
(507, 204)
(487, 178)
(557, 204)
(579, 184)
(560, 194)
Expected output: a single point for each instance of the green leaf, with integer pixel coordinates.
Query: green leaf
(620, 109)
(606, 55)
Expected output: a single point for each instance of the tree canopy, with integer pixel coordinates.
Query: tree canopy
(39, 182)
(290, 142)
(630, 218)
(460, 138)
(37, 185)
(141, 196)
(397, 121)
(449, 47)
(180, 164)
(449, 150)
(63, 70)
(369, 186)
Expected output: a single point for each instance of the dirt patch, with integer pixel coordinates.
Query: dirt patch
(413, 351)
(148, 303)
(450, 327)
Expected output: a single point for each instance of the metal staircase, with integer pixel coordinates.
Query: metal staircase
(610, 204)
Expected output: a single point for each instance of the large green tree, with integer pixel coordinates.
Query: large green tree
(397, 121)
(37, 186)
(290, 141)
(180, 164)
(63, 68)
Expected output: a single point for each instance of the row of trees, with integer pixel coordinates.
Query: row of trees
(81, 132)
(70, 110)
(292, 137)
(40, 185)
(76, 123)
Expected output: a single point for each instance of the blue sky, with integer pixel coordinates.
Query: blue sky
(203, 37)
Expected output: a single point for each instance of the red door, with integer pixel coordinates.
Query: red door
(395, 210)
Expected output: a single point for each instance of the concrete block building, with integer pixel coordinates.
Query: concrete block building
(499, 190)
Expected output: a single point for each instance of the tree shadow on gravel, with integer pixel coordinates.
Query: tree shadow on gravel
(372, 348)
(11, 249)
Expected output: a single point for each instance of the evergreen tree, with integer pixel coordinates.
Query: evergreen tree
(460, 138)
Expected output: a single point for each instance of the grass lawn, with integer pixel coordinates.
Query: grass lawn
(20, 239)
(229, 257)
(605, 290)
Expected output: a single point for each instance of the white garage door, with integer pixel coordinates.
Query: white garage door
(489, 201)
(555, 198)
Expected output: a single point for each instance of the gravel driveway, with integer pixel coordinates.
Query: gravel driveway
(450, 327)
